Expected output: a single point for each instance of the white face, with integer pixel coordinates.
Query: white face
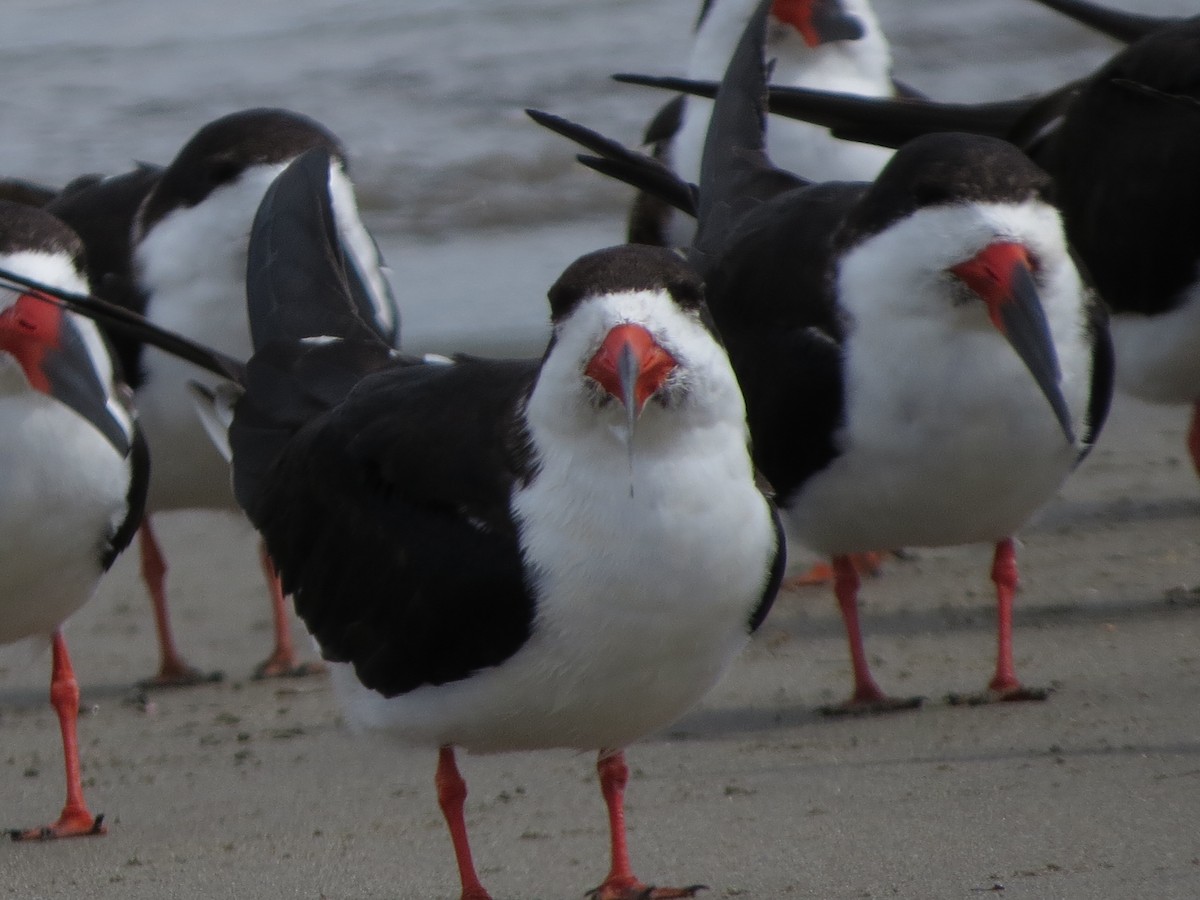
(700, 388)
(56, 270)
(910, 317)
(904, 270)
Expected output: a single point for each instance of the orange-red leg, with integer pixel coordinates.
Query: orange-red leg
(282, 663)
(75, 820)
(452, 794)
(1004, 684)
(621, 883)
(867, 696)
(1193, 439)
(172, 670)
(868, 564)
(1004, 576)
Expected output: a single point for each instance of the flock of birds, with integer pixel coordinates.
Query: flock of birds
(833, 345)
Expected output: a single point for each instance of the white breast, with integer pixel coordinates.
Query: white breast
(646, 567)
(1158, 357)
(948, 439)
(62, 495)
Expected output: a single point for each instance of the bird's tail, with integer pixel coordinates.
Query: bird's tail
(1119, 25)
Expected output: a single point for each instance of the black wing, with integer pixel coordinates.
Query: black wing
(1138, 116)
(735, 173)
(634, 168)
(312, 341)
(884, 121)
(1103, 369)
(380, 484)
(666, 122)
(1122, 26)
(299, 281)
(387, 518)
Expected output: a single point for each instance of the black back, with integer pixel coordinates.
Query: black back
(1123, 26)
(405, 484)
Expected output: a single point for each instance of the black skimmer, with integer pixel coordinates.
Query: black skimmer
(923, 363)
(496, 555)
(190, 224)
(832, 44)
(74, 462)
(1121, 146)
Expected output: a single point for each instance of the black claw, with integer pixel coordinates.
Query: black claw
(892, 704)
(989, 697)
(300, 670)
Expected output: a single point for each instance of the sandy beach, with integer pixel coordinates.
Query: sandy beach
(255, 789)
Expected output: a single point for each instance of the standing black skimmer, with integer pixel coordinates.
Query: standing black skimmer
(836, 45)
(497, 555)
(186, 272)
(1121, 146)
(923, 364)
(75, 468)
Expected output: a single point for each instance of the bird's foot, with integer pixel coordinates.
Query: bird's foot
(286, 666)
(179, 674)
(80, 824)
(1015, 693)
(635, 890)
(872, 705)
(866, 564)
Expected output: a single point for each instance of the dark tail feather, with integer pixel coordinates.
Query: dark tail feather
(735, 171)
(735, 147)
(892, 123)
(616, 161)
(1121, 26)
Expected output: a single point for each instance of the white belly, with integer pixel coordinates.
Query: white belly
(62, 492)
(942, 453)
(1158, 357)
(643, 602)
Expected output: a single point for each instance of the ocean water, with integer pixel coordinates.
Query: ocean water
(475, 207)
